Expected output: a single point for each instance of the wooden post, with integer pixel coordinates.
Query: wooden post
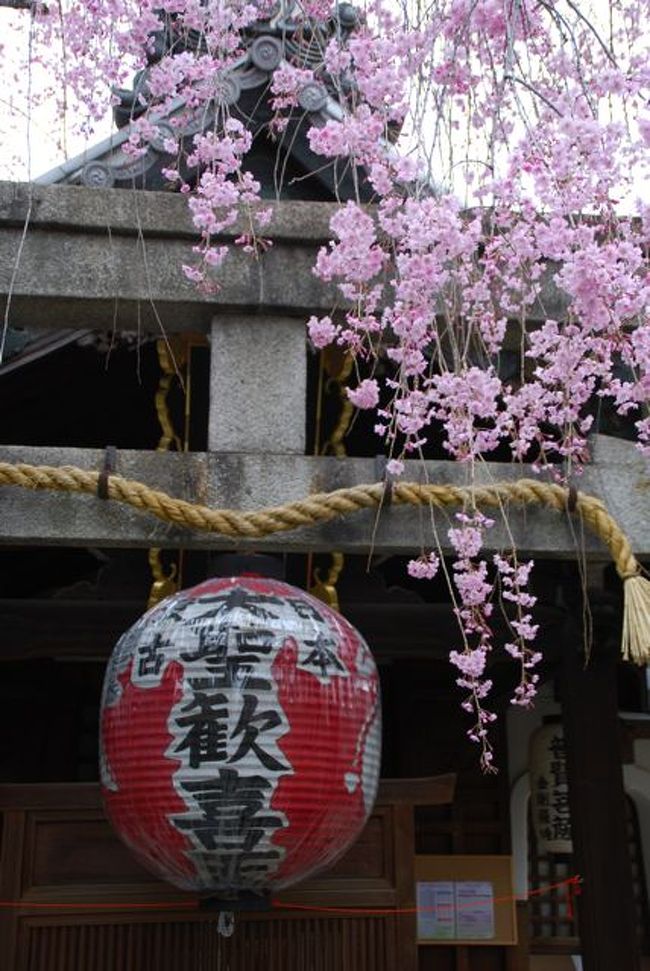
(597, 800)
(518, 957)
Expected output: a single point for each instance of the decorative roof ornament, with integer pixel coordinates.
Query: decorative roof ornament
(244, 90)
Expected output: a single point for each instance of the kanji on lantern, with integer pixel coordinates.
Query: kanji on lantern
(240, 736)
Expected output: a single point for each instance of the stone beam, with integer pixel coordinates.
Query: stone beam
(108, 258)
(238, 481)
(112, 259)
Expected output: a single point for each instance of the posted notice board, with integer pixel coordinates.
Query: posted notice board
(465, 900)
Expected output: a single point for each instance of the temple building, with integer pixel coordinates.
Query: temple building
(115, 363)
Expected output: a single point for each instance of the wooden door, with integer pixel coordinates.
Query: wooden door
(82, 903)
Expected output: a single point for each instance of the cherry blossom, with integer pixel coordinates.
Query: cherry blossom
(505, 145)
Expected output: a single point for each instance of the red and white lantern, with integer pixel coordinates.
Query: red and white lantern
(240, 736)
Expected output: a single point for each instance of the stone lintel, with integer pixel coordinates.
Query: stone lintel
(238, 481)
(112, 259)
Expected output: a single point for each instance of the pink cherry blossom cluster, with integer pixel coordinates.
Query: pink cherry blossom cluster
(477, 584)
(285, 87)
(474, 609)
(514, 577)
(425, 567)
(506, 144)
(223, 193)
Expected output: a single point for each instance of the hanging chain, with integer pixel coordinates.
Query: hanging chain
(172, 356)
(338, 367)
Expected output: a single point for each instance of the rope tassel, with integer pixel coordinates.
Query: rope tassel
(635, 644)
(326, 506)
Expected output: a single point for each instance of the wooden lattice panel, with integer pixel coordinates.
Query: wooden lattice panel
(320, 944)
(553, 922)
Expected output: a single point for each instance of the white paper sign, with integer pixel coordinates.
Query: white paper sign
(474, 910)
(436, 911)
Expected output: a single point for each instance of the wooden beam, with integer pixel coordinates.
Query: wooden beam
(35, 628)
(238, 481)
(62, 628)
(606, 906)
(435, 790)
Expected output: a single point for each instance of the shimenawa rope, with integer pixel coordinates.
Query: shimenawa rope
(325, 506)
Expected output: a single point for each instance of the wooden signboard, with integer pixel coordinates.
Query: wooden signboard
(465, 900)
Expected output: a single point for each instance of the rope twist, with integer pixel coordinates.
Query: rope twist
(323, 507)
(326, 506)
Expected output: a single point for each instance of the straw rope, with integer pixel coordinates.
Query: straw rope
(326, 506)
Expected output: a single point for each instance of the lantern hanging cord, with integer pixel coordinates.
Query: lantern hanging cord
(325, 506)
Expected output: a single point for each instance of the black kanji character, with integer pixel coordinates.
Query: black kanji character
(562, 829)
(208, 728)
(213, 645)
(324, 657)
(238, 598)
(233, 672)
(151, 656)
(239, 868)
(231, 817)
(307, 611)
(251, 725)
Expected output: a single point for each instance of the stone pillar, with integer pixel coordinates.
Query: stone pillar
(258, 383)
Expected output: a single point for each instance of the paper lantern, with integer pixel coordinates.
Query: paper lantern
(240, 736)
(549, 790)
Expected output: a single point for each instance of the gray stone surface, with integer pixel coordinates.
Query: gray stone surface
(61, 207)
(258, 384)
(618, 475)
(112, 258)
(107, 259)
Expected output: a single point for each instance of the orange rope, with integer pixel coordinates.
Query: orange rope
(571, 883)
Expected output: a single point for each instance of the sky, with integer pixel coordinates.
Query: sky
(32, 141)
